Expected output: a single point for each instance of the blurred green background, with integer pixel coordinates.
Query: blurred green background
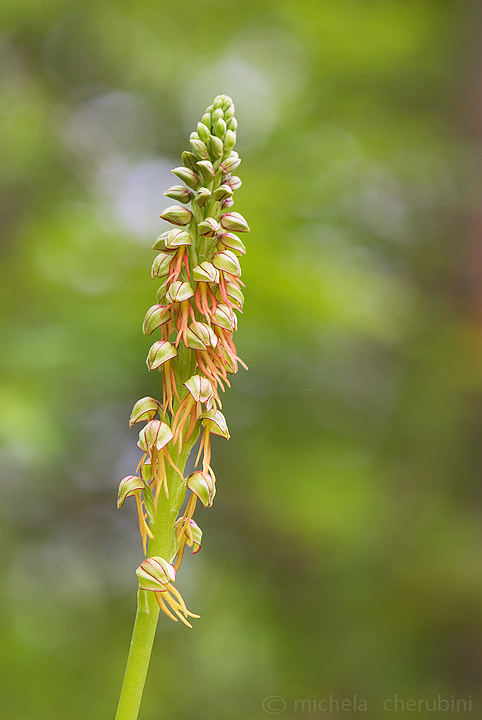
(342, 555)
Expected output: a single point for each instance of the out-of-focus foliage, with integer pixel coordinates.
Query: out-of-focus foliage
(342, 555)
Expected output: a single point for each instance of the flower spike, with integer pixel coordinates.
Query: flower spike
(192, 324)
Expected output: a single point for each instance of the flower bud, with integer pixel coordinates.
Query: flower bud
(229, 140)
(156, 316)
(160, 352)
(234, 182)
(145, 409)
(161, 263)
(220, 128)
(200, 336)
(232, 124)
(177, 238)
(226, 260)
(224, 317)
(234, 221)
(203, 132)
(235, 294)
(205, 272)
(208, 227)
(202, 197)
(160, 243)
(193, 341)
(155, 574)
(232, 162)
(205, 333)
(155, 434)
(128, 486)
(199, 149)
(203, 486)
(217, 147)
(222, 192)
(200, 388)
(179, 291)
(232, 242)
(187, 175)
(215, 422)
(132, 485)
(206, 169)
(206, 119)
(189, 160)
(179, 193)
(177, 215)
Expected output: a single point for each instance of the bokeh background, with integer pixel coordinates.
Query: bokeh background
(343, 553)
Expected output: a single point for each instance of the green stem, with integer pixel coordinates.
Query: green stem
(147, 608)
(138, 661)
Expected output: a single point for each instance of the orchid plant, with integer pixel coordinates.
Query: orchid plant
(194, 318)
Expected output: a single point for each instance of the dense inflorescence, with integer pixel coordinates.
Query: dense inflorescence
(195, 317)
